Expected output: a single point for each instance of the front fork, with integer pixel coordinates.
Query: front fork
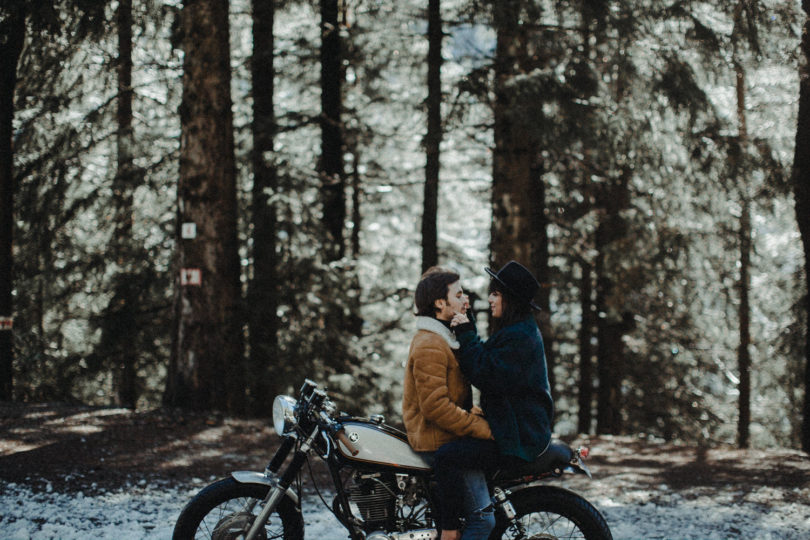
(275, 495)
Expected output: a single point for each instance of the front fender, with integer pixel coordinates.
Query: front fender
(253, 477)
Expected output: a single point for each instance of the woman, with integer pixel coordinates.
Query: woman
(510, 371)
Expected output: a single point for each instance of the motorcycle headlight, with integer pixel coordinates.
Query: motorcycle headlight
(283, 414)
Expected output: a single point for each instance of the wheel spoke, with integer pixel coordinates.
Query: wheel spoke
(226, 509)
(548, 512)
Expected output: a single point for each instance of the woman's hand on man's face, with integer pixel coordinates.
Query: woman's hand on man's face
(458, 318)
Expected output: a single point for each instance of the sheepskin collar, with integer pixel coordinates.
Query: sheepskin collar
(432, 325)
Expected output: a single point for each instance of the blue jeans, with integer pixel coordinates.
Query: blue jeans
(460, 467)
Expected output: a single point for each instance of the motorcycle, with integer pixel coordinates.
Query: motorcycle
(383, 489)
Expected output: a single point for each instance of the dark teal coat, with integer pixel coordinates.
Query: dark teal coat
(510, 371)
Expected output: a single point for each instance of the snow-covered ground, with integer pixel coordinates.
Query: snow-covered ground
(148, 512)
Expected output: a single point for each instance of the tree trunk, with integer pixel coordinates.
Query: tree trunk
(608, 349)
(263, 292)
(333, 176)
(612, 322)
(12, 36)
(539, 224)
(207, 367)
(744, 285)
(119, 321)
(801, 186)
(514, 154)
(585, 397)
(519, 222)
(744, 353)
(357, 216)
(433, 138)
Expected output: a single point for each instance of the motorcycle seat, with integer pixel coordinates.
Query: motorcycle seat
(556, 456)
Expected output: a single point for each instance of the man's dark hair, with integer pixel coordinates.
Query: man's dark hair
(433, 286)
(513, 309)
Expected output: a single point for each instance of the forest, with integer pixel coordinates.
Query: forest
(204, 202)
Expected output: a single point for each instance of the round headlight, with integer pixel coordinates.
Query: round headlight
(283, 414)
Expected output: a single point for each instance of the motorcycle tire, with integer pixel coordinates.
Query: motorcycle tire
(551, 512)
(218, 513)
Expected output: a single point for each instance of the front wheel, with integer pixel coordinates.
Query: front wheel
(225, 510)
(548, 512)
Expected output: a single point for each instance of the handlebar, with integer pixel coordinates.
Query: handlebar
(337, 432)
(341, 436)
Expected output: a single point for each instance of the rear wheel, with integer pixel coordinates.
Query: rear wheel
(547, 512)
(225, 510)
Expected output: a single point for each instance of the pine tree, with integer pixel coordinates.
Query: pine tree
(519, 223)
(433, 138)
(12, 36)
(18, 17)
(119, 322)
(207, 368)
(263, 298)
(331, 166)
(801, 186)
(744, 284)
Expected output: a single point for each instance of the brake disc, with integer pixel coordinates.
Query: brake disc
(235, 526)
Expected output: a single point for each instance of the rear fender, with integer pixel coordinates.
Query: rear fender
(578, 467)
(577, 463)
(253, 477)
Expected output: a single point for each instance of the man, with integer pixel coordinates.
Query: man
(437, 400)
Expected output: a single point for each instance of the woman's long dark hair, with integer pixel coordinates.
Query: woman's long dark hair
(513, 309)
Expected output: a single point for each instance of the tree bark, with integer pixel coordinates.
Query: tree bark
(12, 36)
(263, 292)
(744, 285)
(612, 322)
(801, 187)
(608, 349)
(120, 321)
(433, 138)
(207, 367)
(357, 216)
(539, 224)
(514, 153)
(519, 222)
(744, 351)
(331, 167)
(585, 397)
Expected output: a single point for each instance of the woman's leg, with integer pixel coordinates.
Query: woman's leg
(478, 510)
(462, 486)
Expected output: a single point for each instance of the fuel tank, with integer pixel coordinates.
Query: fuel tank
(379, 444)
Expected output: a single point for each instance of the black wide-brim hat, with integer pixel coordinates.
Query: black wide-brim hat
(518, 281)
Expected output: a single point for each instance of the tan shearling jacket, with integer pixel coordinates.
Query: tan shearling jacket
(434, 390)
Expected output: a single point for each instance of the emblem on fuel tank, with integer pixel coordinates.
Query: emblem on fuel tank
(353, 436)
